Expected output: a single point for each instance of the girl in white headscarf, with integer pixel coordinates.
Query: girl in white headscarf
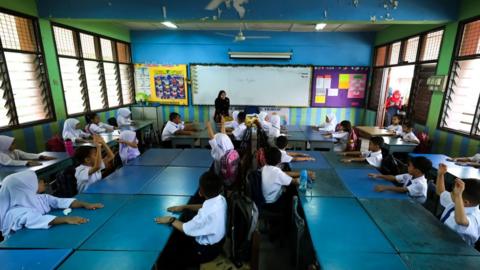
(21, 206)
(262, 118)
(220, 144)
(330, 123)
(274, 131)
(73, 132)
(234, 123)
(128, 146)
(123, 117)
(10, 156)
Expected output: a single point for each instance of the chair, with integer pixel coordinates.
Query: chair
(298, 234)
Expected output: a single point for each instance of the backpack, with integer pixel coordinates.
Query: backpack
(112, 121)
(229, 164)
(66, 184)
(392, 166)
(246, 140)
(352, 144)
(242, 220)
(55, 144)
(260, 155)
(262, 139)
(254, 187)
(425, 144)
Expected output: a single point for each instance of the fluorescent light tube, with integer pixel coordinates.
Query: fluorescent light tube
(320, 26)
(170, 24)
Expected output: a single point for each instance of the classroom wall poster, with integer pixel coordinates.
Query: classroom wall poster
(339, 86)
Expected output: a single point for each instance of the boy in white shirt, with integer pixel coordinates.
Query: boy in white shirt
(373, 156)
(176, 127)
(461, 212)
(413, 183)
(407, 133)
(94, 126)
(396, 126)
(91, 163)
(342, 136)
(202, 237)
(287, 157)
(240, 130)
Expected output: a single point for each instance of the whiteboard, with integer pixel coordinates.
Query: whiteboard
(252, 85)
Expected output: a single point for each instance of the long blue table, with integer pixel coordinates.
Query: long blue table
(361, 261)
(156, 157)
(334, 159)
(133, 227)
(327, 184)
(126, 180)
(119, 260)
(319, 163)
(453, 169)
(440, 261)
(362, 186)
(179, 181)
(412, 229)
(69, 236)
(32, 259)
(193, 158)
(317, 139)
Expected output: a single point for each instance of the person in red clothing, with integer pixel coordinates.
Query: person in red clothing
(393, 105)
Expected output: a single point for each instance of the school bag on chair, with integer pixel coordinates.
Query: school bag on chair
(229, 165)
(55, 144)
(353, 141)
(66, 184)
(392, 166)
(425, 145)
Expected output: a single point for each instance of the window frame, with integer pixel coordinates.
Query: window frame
(81, 58)
(48, 89)
(455, 58)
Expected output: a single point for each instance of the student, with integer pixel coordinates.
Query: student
(330, 123)
(176, 127)
(396, 126)
(407, 132)
(264, 123)
(373, 156)
(414, 182)
(73, 132)
(461, 212)
(342, 136)
(124, 117)
(22, 207)
(220, 144)
(274, 129)
(234, 123)
(473, 161)
(94, 126)
(287, 157)
(10, 156)
(128, 145)
(91, 163)
(240, 130)
(202, 238)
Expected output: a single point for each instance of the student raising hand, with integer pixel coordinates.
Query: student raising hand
(458, 188)
(442, 169)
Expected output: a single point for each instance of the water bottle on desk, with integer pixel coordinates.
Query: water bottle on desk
(303, 181)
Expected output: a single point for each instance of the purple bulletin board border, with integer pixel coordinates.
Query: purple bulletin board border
(340, 101)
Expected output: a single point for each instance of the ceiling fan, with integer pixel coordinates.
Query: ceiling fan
(240, 36)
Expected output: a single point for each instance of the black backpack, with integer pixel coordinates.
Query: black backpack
(254, 187)
(262, 139)
(112, 121)
(66, 184)
(392, 166)
(242, 222)
(246, 141)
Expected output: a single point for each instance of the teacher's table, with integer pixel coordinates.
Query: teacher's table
(155, 157)
(32, 259)
(453, 169)
(133, 227)
(326, 184)
(118, 260)
(179, 181)
(193, 158)
(397, 145)
(368, 132)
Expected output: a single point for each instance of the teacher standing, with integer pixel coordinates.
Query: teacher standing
(222, 105)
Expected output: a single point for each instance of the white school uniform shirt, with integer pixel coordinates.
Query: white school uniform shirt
(71, 132)
(286, 158)
(239, 131)
(410, 137)
(21, 206)
(126, 152)
(342, 140)
(475, 158)
(273, 180)
(373, 158)
(417, 188)
(330, 127)
(397, 128)
(98, 128)
(234, 123)
(470, 233)
(274, 128)
(170, 129)
(84, 180)
(209, 225)
(123, 117)
(220, 145)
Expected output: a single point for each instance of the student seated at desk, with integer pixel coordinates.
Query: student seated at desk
(342, 136)
(231, 125)
(175, 126)
(91, 163)
(373, 156)
(240, 130)
(94, 126)
(287, 157)
(275, 126)
(396, 126)
(264, 121)
(414, 182)
(220, 144)
(330, 123)
(10, 156)
(461, 212)
(202, 237)
(128, 145)
(467, 161)
(124, 117)
(22, 207)
(73, 132)
(407, 134)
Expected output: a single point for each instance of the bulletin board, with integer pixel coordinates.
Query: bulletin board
(339, 86)
(163, 84)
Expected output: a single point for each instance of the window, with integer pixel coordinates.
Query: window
(380, 56)
(93, 71)
(410, 50)
(24, 89)
(394, 53)
(431, 46)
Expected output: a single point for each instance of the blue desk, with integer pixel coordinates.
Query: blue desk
(126, 180)
(412, 229)
(397, 145)
(289, 128)
(360, 261)
(193, 158)
(453, 169)
(327, 184)
(68, 236)
(362, 186)
(119, 260)
(319, 163)
(440, 262)
(334, 159)
(155, 157)
(318, 140)
(342, 225)
(177, 181)
(297, 140)
(36, 259)
(133, 227)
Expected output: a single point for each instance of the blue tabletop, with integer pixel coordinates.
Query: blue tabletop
(155, 157)
(133, 226)
(334, 159)
(289, 128)
(440, 262)
(32, 259)
(296, 136)
(126, 180)
(327, 184)
(341, 225)
(179, 181)
(360, 261)
(68, 236)
(193, 158)
(412, 229)
(315, 135)
(119, 260)
(319, 163)
(362, 186)
(453, 169)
